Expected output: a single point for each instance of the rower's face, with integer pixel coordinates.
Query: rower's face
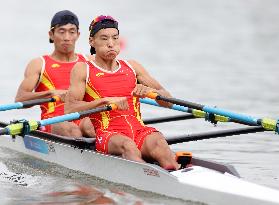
(65, 37)
(106, 43)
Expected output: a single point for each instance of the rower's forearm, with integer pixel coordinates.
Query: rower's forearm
(77, 106)
(24, 96)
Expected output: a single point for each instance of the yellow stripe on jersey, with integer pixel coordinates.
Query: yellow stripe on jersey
(137, 109)
(95, 95)
(92, 92)
(105, 119)
(47, 83)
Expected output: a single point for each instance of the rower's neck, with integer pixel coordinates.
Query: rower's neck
(109, 65)
(62, 57)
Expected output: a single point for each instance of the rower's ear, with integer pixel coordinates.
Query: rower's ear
(50, 34)
(91, 41)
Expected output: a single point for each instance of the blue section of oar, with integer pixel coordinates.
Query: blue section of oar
(153, 102)
(62, 118)
(232, 115)
(5, 131)
(180, 108)
(11, 106)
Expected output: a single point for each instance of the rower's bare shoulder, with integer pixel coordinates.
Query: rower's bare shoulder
(79, 66)
(136, 66)
(34, 66)
(80, 69)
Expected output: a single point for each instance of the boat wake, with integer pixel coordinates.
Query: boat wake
(16, 178)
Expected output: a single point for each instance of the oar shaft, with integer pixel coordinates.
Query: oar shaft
(62, 118)
(243, 118)
(235, 116)
(195, 112)
(74, 116)
(4, 131)
(18, 128)
(214, 134)
(173, 107)
(176, 101)
(11, 106)
(39, 101)
(169, 119)
(26, 104)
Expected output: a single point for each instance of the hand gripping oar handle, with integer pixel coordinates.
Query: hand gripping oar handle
(18, 128)
(266, 123)
(28, 103)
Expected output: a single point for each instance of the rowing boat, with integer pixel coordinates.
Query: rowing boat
(202, 181)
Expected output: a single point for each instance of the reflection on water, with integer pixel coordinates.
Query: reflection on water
(90, 195)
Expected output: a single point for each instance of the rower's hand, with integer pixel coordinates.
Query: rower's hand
(142, 90)
(120, 102)
(60, 93)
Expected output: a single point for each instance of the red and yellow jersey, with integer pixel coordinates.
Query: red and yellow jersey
(55, 75)
(119, 83)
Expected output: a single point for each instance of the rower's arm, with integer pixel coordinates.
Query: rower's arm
(146, 79)
(31, 77)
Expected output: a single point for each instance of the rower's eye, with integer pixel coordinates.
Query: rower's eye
(73, 31)
(61, 31)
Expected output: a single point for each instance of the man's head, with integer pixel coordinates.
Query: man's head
(64, 31)
(104, 33)
(62, 18)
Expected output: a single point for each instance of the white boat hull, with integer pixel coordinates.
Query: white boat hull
(194, 183)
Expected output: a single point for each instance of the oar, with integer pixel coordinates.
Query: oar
(266, 123)
(28, 126)
(194, 112)
(213, 134)
(28, 103)
(168, 119)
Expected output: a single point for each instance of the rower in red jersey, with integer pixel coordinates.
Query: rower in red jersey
(108, 80)
(49, 75)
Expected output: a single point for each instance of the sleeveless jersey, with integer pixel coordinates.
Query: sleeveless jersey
(119, 83)
(55, 75)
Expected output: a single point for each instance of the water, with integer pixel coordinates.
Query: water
(218, 53)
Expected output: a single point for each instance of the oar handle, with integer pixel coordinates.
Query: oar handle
(55, 98)
(40, 101)
(28, 103)
(112, 106)
(152, 95)
(98, 109)
(184, 103)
